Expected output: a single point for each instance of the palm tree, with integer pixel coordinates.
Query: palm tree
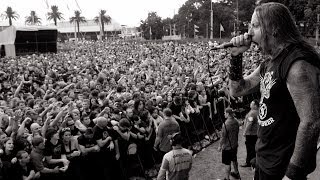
(33, 19)
(104, 19)
(77, 19)
(10, 14)
(54, 14)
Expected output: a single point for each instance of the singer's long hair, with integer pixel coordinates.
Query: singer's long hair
(277, 27)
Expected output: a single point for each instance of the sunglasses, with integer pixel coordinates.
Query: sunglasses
(65, 129)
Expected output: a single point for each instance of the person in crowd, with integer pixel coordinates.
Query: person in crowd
(102, 136)
(129, 114)
(89, 152)
(8, 156)
(176, 108)
(86, 121)
(37, 157)
(250, 132)
(288, 81)
(229, 144)
(166, 127)
(121, 141)
(53, 151)
(156, 118)
(23, 169)
(70, 147)
(177, 163)
(139, 107)
(77, 122)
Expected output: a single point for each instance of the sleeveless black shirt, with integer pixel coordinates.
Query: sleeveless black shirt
(278, 119)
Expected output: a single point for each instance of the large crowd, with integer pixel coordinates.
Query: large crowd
(96, 110)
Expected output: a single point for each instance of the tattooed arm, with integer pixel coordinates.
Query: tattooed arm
(247, 85)
(304, 86)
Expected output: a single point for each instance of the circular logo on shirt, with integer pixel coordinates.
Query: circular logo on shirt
(263, 110)
(105, 134)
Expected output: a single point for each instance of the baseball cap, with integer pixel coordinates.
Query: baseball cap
(229, 110)
(176, 138)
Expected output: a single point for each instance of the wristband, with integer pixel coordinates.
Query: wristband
(235, 72)
(295, 173)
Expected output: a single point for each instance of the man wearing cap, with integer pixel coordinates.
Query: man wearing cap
(229, 144)
(177, 163)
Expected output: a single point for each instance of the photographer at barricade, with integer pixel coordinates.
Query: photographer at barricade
(177, 163)
(290, 95)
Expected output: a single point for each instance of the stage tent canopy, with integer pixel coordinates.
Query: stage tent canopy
(15, 41)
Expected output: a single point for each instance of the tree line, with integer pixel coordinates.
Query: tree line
(55, 15)
(233, 15)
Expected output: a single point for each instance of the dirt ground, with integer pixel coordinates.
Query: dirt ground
(207, 164)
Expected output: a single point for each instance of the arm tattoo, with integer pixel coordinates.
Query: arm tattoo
(304, 86)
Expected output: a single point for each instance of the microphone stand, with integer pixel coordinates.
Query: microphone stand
(223, 122)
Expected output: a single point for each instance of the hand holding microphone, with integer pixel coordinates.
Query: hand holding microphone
(240, 44)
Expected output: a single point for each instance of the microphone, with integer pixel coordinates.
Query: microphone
(228, 44)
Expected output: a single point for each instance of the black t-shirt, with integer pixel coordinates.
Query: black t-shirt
(17, 172)
(74, 131)
(99, 134)
(134, 130)
(52, 150)
(176, 109)
(113, 133)
(86, 142)
(123, 144)
(7, 157)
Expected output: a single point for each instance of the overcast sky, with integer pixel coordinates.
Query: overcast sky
(125, 12)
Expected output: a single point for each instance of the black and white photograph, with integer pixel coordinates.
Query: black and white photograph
(159, 90)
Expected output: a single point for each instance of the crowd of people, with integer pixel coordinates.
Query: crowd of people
(101, 110)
